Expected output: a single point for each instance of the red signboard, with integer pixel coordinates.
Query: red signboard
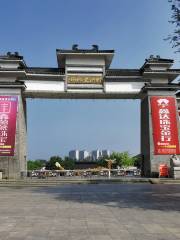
(8, 111)
(164, 122)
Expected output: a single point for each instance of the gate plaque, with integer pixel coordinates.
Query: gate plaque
(80, 79)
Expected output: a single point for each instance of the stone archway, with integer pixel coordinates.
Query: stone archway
(86, 74)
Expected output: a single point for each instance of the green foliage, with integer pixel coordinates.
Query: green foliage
(122, 159)
(50, 165)
(138, 161)
(68, 163)
(102, 163)
(35, 165)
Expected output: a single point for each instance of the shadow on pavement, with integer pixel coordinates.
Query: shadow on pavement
(143, 196)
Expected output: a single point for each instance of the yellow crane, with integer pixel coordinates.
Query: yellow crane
(58, 165)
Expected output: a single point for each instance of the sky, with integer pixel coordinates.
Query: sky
(134, 29)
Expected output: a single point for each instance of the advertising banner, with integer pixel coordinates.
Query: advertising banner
(8, 111)
(164, 123)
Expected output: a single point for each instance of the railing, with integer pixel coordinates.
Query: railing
(83, 173)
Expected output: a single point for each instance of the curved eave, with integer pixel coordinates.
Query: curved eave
(12, 85)
(43, 70)
(123, 72)
(157, 87)
(49, 77)
(125, 79)
(170, 74)
(12, 73)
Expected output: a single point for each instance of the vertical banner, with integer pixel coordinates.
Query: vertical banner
(164, 123)
(8, 111)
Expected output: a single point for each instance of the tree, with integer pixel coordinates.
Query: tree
(174, 37)
(122, 159)
(50, 165)
(118, 157)
(138, 161)
(102, 162)
(35, 165)
(68, 163)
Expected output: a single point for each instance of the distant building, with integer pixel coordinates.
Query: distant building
(106, 153)
(96, 154)
(74, 154)
(83, 155)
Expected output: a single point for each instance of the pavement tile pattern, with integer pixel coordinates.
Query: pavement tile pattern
(90, 212)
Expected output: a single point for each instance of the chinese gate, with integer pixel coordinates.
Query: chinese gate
(86, 74)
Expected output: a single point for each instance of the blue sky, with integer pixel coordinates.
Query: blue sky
(134, 29)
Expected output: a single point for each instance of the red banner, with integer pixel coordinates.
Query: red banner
(164, 123)
(8, 111)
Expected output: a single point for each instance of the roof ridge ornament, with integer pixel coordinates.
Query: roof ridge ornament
(95, 48)
(75, 47)
(157, 58)
(156, 63)
(12, 55)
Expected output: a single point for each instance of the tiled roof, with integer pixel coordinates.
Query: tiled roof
(159, 60)
(159, 85)
(109, 72)
(83, 51)
(11, 83)
(37, 70)
(123, 72)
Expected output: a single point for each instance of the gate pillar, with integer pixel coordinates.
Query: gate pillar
(13, 167)
(12, 117)
(150, 158)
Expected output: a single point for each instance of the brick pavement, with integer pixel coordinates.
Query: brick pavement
(91, 212)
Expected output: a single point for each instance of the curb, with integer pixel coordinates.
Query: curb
(45, 182)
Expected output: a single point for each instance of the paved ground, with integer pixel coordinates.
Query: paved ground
(91, 212)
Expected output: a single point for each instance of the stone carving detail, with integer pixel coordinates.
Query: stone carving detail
(175, 161)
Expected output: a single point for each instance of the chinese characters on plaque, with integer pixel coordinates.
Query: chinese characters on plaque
(80, 79)
(164, 123)
(8, 111)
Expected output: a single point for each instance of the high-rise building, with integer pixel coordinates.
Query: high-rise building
(74, 154)
(96, 154)
(105, 153)
(83, 155)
